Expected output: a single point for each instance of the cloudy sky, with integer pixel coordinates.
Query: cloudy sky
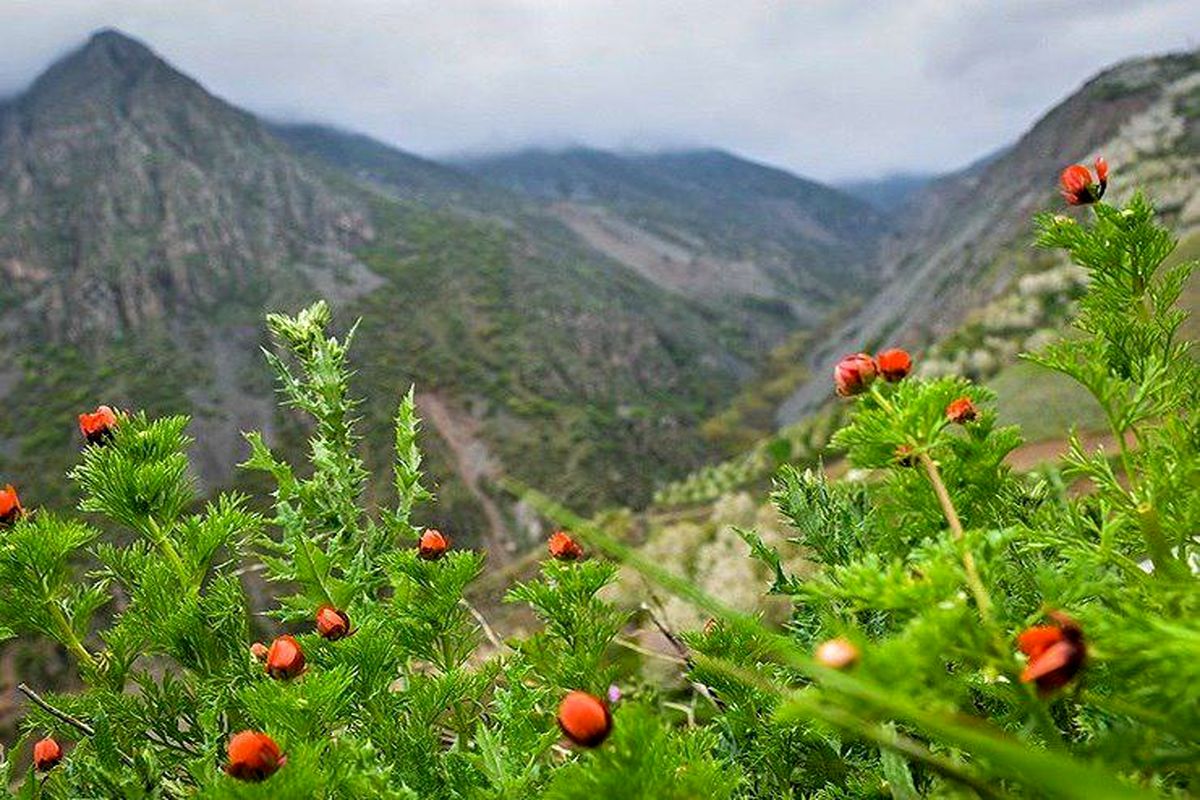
(830, 89)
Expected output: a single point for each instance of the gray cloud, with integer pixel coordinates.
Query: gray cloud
(828, 89)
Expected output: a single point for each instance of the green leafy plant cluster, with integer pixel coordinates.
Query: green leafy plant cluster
(905, 669)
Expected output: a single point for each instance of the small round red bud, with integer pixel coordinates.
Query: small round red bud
(564, 548)
(10, 506)
(432, 545)
(1079, 188)
(584, 719)
(894, 364)
(853, 374)
(332, 624)
(253, 756)
(285, 659)
(961, 411)
(1055, 653)
(47, 754)
(98, 426)
(839, 653)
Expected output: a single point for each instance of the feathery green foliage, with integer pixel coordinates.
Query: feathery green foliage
(925, 576)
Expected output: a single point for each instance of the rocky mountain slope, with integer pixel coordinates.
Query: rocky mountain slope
(966, 237)
(706, 224)
(145, 227)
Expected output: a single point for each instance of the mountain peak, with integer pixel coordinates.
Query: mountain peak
(109, 57)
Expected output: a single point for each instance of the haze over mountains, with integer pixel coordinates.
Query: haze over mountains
(570, 318)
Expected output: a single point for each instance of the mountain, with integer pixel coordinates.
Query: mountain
(146, 226)
(888, 194)
(408, 176)
(707, 224)
(966, 237)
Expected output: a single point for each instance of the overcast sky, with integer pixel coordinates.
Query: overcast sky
(828, 89)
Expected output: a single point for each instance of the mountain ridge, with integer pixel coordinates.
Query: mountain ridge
(157, 223)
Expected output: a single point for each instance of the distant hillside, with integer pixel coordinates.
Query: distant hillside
(966, 237)
(706, 224)
(408, 176)
(146, 226)
(888, 194)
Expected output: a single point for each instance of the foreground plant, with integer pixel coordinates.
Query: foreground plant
(965, 631)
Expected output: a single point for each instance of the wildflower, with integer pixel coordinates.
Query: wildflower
(961, 411)
(614, 694)
(47, 754)
(332, 624)
(1078, 186)
(839, 653)
(432, 545)
(285, 659)
(1056, 653)
(258, 651)
(253, 756)
(97, 427)
(564, 548)
(853, 374)
(894, 364)
(10, 506)
(584, 719)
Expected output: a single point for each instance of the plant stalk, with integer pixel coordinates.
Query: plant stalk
(974, 582)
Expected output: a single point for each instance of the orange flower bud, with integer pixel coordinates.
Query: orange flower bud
(1056, 653)
(253, 756)
(584, 719)
(97, 427)
(961, 411)
(564, 548)
(853, 374)
(258, 651)
(332, 624)
(47, 754)
(1079, 188)
(894, 364)
(285, 659)
(839, 653)
(432, 545)
(10, 506)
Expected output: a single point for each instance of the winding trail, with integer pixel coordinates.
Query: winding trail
(474, 464)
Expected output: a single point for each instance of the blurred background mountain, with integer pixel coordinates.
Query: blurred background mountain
(597, 324)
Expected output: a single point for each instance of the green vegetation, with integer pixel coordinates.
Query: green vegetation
(954, 629)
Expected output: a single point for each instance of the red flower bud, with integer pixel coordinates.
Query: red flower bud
(839, 653)
(894, 364)
(433, 545)
(332, 624)
(853, 374)
(258, 651)
(10, 506)
(1056, 653)
(47, 754)
(253, 756)
(961, 411)
(564, 548)
(584, 719)
(1078, 186)
(98, 426)
(285, 659)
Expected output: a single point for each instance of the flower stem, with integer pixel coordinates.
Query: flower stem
(68, 638)
(982, 600)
